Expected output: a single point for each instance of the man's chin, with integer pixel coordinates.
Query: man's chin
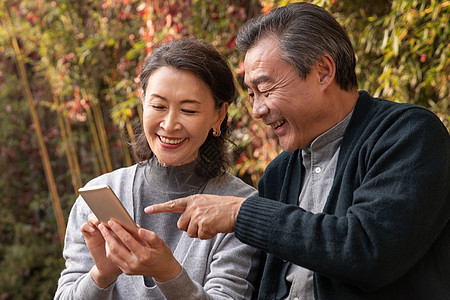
(286, 146)
(290, 145)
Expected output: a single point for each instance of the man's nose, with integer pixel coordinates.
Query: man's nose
(259, 107)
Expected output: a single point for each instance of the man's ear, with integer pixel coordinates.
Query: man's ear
(326, 69)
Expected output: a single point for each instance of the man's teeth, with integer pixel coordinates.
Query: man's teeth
(170, 141)
(277, 124)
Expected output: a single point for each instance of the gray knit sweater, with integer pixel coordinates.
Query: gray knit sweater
(219, 268)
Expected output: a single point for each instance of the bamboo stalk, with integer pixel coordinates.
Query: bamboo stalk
(42, 147)
(102, 134)
(133, 139)
(128, 126)
(97, 167)
(62, 131)
(126, 154)
(96, 142)
(72, 153)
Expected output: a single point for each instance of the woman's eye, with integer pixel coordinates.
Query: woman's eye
(188, 111)
(158, 107)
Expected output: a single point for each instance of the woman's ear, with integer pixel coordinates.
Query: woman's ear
(221, 113)
(326, 69)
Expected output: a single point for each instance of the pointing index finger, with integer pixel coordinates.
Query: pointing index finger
(178, 205)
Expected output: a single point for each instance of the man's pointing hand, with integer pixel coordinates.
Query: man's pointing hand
(203, 215)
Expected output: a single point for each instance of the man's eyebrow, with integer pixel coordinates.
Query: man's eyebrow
(258, 80)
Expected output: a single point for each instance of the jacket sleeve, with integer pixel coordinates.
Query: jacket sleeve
(385, 215)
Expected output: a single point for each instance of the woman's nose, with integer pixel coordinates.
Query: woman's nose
(170, 122)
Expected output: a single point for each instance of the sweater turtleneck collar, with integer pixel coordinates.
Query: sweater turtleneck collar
(174, 178)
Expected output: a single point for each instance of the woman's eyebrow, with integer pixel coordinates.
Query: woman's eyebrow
(186, 101)
(158, 96)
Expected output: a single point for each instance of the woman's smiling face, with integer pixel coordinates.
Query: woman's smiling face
(179, 112)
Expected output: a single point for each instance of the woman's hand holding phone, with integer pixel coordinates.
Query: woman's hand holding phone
(118, 245)
(105, 272)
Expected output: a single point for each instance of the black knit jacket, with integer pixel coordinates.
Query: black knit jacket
(384, 232)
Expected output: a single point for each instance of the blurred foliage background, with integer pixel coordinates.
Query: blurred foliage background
(69, 94)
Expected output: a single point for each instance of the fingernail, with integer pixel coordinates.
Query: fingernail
(111, 224)
(101, 227)
(148, 209)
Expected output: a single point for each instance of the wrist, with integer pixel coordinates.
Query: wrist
(171, 274)
(238, 205)
(100, 280)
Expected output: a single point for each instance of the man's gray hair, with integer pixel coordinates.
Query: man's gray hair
(305, 32)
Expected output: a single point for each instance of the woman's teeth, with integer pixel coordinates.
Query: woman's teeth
(170, 141)
(277, 124)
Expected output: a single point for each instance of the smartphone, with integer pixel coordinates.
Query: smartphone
(105, 205)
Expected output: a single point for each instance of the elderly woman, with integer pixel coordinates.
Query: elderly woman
(186, 89)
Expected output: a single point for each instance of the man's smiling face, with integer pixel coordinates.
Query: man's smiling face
(293, 107)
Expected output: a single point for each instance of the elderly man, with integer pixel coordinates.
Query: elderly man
(358, 206)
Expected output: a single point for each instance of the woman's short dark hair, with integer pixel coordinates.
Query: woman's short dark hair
(305, 32)
(212, 68)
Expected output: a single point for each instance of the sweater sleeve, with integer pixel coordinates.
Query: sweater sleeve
(388, 209)
(75, 281)
(182, 287)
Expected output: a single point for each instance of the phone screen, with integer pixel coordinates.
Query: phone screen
(105, 205)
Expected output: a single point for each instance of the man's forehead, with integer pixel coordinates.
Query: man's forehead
(260, 61)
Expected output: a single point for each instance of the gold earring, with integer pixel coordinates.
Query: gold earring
(216, 133)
